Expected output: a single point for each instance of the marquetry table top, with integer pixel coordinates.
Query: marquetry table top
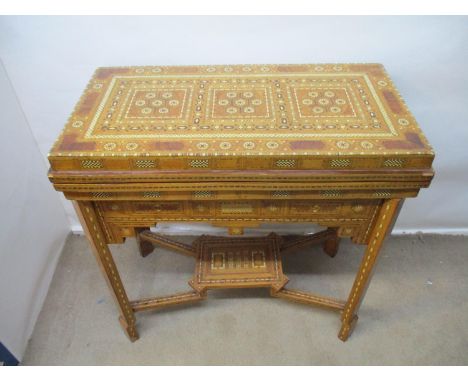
(286, 116)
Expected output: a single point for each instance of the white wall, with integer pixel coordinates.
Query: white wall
(33, 225)
(50, 59)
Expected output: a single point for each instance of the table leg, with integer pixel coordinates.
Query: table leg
(383, 224)
(93, 230)
(144, 246)
(330, 246)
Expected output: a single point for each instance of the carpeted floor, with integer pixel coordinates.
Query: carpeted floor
(415, 311)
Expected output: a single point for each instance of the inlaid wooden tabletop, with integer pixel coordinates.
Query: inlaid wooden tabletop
(213, 117)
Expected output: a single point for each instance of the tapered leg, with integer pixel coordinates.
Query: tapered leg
(92, 228)
(330, 246)
(383, 224)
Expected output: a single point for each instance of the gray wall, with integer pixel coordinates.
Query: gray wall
(33, 225)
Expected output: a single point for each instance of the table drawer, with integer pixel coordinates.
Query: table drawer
(208, 209)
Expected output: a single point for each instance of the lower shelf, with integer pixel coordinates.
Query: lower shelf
(238, 263)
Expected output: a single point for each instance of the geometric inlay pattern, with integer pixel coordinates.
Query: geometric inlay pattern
(240, 103)
(243, 262)
(320, 105)
(161, 103)
(323, 102)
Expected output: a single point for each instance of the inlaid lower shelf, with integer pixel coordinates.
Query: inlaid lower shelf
(246, 262)
(224, 262)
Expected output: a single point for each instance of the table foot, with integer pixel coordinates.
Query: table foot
(130, 330)
(347, 328)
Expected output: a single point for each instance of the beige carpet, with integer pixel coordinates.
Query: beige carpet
(415, 311)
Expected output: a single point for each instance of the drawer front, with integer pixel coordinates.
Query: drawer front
(269, 210)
